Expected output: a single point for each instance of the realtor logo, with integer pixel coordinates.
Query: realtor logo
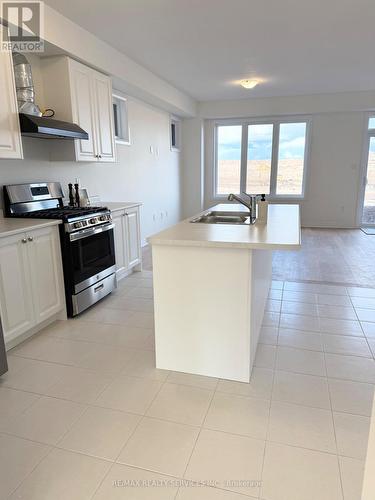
(25, 23)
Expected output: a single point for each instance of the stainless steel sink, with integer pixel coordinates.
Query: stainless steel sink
(215, 217)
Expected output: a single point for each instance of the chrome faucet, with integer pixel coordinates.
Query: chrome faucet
(252, 205)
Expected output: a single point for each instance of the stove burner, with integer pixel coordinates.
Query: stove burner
(65, 213)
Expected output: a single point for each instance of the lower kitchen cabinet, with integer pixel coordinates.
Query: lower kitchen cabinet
(31, 283)
(127, 240)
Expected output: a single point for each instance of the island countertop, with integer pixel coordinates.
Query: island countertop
(282, 231)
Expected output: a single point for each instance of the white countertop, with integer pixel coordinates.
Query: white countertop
(114, 206)
(282, 231)
(10, 226)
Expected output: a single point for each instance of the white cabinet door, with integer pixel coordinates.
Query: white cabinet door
(46, 272)
(104, 117)
(10, 135)
(17, 313)
(83, 110)
(133, 236)
(119, 237)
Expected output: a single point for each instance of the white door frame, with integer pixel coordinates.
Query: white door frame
(363, 170)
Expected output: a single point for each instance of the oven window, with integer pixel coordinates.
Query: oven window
(92, 255)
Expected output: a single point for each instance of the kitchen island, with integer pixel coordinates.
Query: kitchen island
(211, 283)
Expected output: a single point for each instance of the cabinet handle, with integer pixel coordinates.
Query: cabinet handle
(126, 213)
(99, 156)
(30, 238)
(24, 240)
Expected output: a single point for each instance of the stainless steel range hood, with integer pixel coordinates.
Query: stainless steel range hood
(49, 128)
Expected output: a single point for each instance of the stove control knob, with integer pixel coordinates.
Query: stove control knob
(103, 217)
(93, 220)
(77, 225)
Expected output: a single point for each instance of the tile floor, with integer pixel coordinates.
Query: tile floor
(84, 414)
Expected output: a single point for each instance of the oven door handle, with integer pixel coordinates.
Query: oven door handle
(85, 233)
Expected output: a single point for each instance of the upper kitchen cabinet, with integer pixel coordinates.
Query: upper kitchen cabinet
(83, 96)
(10, 135)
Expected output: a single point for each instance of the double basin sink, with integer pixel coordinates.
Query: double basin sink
(216, 217)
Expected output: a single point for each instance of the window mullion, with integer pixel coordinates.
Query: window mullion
(244, 159)
(275, 159)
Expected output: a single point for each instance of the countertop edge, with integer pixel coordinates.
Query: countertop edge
(122, 205)
(39, 224)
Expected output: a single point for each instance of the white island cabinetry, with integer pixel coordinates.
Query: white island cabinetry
(211, 283)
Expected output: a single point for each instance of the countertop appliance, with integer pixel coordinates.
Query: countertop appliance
(86, 236)
(3, 355)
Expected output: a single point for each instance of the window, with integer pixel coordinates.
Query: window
(175, 133)
(261, 157)
(120, 117)
(371, 122)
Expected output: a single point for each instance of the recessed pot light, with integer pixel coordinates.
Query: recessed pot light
(249, 84)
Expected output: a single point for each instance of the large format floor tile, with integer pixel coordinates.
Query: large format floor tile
(300, 361)
(351, 434)
(225, 457)
(18, 457)
(100, 432)
(350, 368)
(63, 475)
(300, 339)
(260, 385)
(181, 403)
(351, 397)
(292, 473)
(302, 426)
(297, 388)
(160, 446)
(238, 415)
(14, 402)
(352, 471)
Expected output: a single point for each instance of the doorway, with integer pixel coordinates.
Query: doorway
(368, 207)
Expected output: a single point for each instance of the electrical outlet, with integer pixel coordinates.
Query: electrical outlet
(161, 215)
(151, 149)
(154, 217)
(166, 214)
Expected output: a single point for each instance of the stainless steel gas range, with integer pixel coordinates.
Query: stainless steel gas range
(86, 235)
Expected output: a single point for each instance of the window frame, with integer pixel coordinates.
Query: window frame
(276, 122)
(368, 133)
(123, 119)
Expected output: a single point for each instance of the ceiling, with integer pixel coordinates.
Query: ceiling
(204, 46)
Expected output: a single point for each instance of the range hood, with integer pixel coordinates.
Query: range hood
(49, 128)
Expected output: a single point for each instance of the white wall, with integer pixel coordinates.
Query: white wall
(193, 166)
(138, 176)
(337, 138)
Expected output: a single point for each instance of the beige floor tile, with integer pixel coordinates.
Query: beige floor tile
(341, 344)
(300, 339)
(18, 457)
(351, 397)
(35, 376)
(238, 415)
(299, 322)
(131, 304)
(80, 385)
(260, 385)
(100, 432)
(363, 302)
(193, 380)
(180, 403)
(309, 298)
(160, 446)
(292, 473)
(142, 364)
(351, 434)
(14, 402)
(223, 457)
(294, 307)
(119, 485)
(341, 327)
(300, 361)
(275, 294)
(268, 335)
(271, 319)
(350, 368)
(368, 329)
(106, 358)
(361, 292)
(302, 426)
(53, 350)
(45, 421)
(141, 319)
(193, 492)
(366, 314)
(265, 356)
(352, 477)
(338, 312)
(139, 292)
(273, 305)
(333, 300)
(371, 343)
(297, 388)
(129, 394)
(63, 475)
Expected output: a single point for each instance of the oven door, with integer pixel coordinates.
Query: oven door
(92, 253)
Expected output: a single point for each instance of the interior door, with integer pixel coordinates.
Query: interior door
(46, 272)
(17, 311)
(368, 213)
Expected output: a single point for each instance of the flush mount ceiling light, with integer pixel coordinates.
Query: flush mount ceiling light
(249, 84)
